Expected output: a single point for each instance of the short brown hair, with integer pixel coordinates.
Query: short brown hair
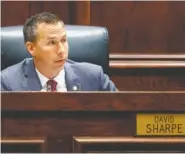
(30, 26)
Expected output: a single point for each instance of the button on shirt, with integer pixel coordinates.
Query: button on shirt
(60, 79)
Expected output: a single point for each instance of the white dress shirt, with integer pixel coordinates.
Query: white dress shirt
(60, 79)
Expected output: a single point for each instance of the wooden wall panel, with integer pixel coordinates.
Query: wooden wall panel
(71, 12)
(148, 72)
(60, 8)
(149, 82)
(82, 12)
(35, 7)
(127, 145)
(57, 118)
(142, 27)
(14, 12)
(23, 145)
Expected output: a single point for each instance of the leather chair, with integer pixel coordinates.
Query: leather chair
(86, 44)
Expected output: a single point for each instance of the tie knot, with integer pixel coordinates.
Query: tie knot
(51, 85)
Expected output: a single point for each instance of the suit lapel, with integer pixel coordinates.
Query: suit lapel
(71, 78)
(33, 81)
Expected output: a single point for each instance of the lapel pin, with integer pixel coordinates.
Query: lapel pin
(75, 88)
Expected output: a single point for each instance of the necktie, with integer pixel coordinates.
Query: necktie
(51, 85)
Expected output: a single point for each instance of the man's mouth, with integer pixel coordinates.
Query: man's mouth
(60, 60)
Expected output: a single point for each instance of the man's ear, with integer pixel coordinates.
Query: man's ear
(31, 48)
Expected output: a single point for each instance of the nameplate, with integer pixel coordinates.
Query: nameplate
(160, 124)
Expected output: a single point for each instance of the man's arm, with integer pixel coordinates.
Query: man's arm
(105, 83)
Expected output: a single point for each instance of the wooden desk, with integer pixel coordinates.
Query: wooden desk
(85, 122)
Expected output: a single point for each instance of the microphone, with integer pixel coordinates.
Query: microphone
(48, 87)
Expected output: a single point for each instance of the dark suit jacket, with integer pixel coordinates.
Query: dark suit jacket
(85, 76)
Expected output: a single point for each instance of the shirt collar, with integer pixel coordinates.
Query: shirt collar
(60, 78)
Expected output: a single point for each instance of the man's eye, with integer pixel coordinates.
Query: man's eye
(64, 40)
(51, 42)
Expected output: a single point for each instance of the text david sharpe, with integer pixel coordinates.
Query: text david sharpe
(164, 124)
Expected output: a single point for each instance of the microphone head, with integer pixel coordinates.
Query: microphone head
(48, 87)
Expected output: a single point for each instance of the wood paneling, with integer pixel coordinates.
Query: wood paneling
(82, 12)
(142, 27)
(60, 8)
(20, 145)
(35, 7)
(148, 71)
(146, 61)
(14, 12)
(59, 117)
(71, 12)
(127, 144)
(149, 79)
(87, 101)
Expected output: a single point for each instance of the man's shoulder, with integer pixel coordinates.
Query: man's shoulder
(14, 69)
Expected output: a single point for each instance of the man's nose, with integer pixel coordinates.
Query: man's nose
(61, 48)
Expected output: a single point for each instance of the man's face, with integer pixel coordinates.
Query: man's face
(51, 47)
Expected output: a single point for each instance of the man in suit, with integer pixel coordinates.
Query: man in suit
(49, 69)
